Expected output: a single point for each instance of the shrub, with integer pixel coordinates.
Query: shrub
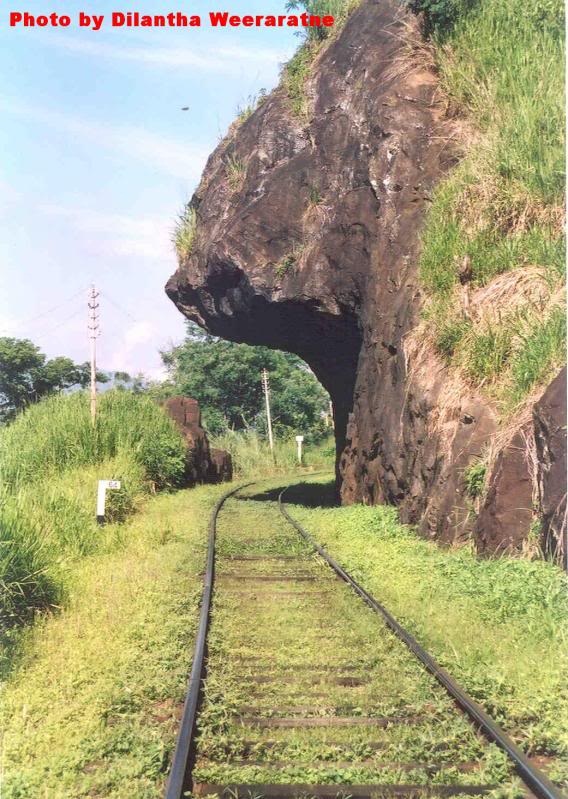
(184, 232)
(51, 458)
(441, 15)
(474, 478)
(26, 584)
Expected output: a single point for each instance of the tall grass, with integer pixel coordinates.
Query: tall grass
(502, 65)
(252, 456)
(51, 458)
(57, 434)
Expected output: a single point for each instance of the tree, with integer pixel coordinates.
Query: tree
(26, 375)
(224, 377)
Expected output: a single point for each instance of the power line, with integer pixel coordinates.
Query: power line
(119, 307)
(59, 324)
(48, 311)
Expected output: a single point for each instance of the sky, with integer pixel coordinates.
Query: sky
(98, 159)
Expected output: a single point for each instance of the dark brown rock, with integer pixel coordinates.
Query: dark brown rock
(549, 416)
(221, 466)
(202, 463)
(508, 511)
(315, 251)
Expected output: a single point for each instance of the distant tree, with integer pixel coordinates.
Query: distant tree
(26, 375)
(225, 379)
(137, 383)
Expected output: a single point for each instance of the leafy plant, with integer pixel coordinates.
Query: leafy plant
(225, 379)
(285, 265)
(184, 232)
(501, 64)
(51, 458)
(474, 479)
(235, 168)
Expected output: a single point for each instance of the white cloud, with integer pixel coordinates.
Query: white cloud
(220, 59)
(127, 354)
(170, 155)
(122, 235)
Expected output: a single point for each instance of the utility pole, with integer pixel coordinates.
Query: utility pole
(266, 387)
(93, 335)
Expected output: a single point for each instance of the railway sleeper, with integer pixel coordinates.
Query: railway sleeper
(283, 791)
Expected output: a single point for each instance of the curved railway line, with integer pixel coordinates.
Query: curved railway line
(302, 690)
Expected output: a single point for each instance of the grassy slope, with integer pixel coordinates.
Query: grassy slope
(500, 626)
(501, 211)
(91, 710)
(51, 458)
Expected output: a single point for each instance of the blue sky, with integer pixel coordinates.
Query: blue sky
(98, 158)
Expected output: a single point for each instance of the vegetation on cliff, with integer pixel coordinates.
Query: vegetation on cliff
(494, 246)
(51, 458)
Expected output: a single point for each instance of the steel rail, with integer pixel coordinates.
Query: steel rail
(531, 776)
(179, 780)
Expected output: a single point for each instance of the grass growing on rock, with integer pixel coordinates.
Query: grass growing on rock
(502, 209)
(185, 229)
(93, 706)
(499, 626)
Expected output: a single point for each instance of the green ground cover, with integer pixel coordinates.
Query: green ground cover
(501, 211)
(92, 706)
(302, 676)
(51, 458)
(499, 626)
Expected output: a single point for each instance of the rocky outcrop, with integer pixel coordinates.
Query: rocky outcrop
(509, 509)
(549, 415)
(203, 464)
(307, 240)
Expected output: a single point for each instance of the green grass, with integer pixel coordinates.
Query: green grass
(92, 708)
(298, 69)
(307, 631)
(502, 66)
(235, 170)
(294, 77)
(183, 236)
(252, 456)
(51, 458)
(499, 626)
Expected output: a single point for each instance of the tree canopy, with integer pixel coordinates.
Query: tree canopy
(224, 377)
(26, 375)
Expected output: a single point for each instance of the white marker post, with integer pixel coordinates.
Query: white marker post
(300, 441)
(101, 497)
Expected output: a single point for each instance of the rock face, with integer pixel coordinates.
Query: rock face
(307, 240)
(203, 464)
(549, 415)
(507, 514)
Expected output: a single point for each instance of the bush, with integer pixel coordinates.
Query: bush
(56, 435)
(51, 458)
(26, 584)
(441, 15)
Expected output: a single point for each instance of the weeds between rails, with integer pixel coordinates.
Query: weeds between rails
(307, 692)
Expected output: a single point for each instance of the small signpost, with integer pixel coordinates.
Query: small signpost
(300, 441)
(104, 485)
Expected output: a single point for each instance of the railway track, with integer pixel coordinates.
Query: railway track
(300, 689)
